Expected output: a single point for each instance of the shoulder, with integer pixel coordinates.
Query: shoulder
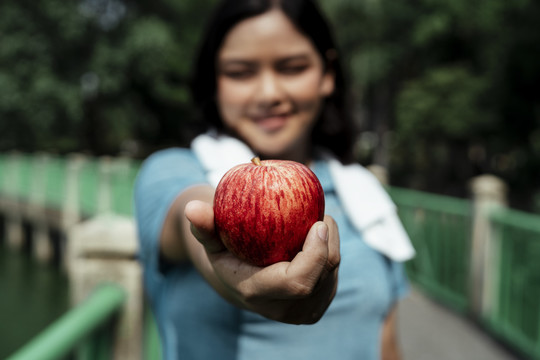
(162, 176)
(170, 155)
(171, 160)
(176, 165)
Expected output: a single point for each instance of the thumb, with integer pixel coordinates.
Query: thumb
(201, 216)
(311, 261)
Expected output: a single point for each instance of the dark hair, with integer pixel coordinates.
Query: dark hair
(333, 129)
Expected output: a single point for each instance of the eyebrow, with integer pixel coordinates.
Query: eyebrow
(300, 57)
(228, 62)
(248, 62)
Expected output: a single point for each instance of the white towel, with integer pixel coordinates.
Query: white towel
(366, 203)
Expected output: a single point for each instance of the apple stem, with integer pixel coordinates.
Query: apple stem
(256, 161)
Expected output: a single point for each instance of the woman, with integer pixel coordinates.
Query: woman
(269, 82)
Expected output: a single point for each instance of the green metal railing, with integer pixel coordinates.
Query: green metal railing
(83, 329)
(16, 179)
(515, 314)
(87, 331)
(19, 174)
(55, 181)
(122, 182)
(89, 181)
(440, 229)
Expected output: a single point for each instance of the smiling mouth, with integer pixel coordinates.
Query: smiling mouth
(271, 123)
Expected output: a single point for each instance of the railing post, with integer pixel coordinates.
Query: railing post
(103, 249)
(71, 207)
(71, 212)
(380, 172)
(14, 227)
(104, 204)
(488, 192)
(42, 245)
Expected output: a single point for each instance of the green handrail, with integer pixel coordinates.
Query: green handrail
(428, 201)
(66, 333)
(516, 219)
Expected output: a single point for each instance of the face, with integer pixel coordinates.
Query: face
(271, 84)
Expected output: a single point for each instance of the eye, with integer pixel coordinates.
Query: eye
(292, 69)
(238, 74)
(293, 65)
(237, 70)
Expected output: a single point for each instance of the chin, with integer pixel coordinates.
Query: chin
(267, 153)
(282, 144)
(276, 150)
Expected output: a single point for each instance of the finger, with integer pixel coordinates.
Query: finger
(201, 216)
(334, 252)
(298, 278)
(314, 254)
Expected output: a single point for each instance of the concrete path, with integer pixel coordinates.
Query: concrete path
(429, 331)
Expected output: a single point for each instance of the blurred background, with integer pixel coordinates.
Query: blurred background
(443, 91)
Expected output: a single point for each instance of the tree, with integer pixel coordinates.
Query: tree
(39, 90)
(452, 84)
(94, 75)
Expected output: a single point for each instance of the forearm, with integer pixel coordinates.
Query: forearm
(390, 349)
(177, 243)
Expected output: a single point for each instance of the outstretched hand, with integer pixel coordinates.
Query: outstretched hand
(296, 292)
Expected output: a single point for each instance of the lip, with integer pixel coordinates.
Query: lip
(271, 123)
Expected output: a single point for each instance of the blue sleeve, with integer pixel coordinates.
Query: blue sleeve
(399, 281)
(162, 177)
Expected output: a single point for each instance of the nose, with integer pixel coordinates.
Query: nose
(269, 90)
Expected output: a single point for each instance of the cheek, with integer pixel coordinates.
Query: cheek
(307, 94)
(307, 88)
(230, 99)
(233, 92)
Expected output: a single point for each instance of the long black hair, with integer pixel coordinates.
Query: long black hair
(334, 128)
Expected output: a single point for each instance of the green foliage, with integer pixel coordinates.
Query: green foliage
(453, 83)
(445, 102)
(36, 93)
(93, 75)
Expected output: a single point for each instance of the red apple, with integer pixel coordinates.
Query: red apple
(263, 210)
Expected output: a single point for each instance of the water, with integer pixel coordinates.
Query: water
(32, 296)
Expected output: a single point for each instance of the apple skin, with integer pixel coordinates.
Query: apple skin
(263, 210)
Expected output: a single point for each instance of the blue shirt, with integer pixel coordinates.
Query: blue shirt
(196, 323)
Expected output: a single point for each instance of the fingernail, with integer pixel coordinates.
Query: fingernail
(322, 231)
